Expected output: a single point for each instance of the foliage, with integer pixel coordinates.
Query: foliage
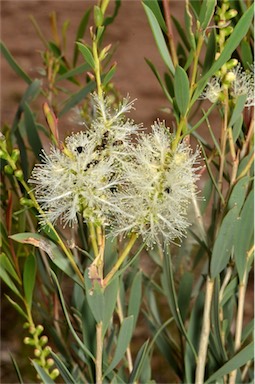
(85, 284)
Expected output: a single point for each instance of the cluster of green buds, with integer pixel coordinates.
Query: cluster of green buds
(223, 17)
(41, 349)
(10, 158)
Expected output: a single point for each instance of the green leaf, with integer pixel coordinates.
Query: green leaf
(77, 339)
(206, 12)
(181, 32)
(8, 281)
(238, 193)
(83, 68)
(17, 369)
(87, 55)
(239, 106)
(80, 32)
(135, 297)
(13, 64)
(46, 379)
(64, 372)
(110, 297)
(184, 293)
(181, 89)
(31, 92)
(210, 52)
(8, 266)
(246, 54)
(155, 8)
(154, 70)
(109, 75)
(51, 249)
(77, 97)
(240, 359)
(188, 24)
(139, 362)
(17, 307)
(31, 129)
(159, 38)
(232, 43)
(29, 278)
(224, 242)
(244, 234)
(95, 297)
(169, 289)
(237, 128)
(124, 338)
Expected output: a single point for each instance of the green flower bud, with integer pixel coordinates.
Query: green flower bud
(26, 202)
(229, 78)
(28, 341)
(32, 330)
(39, 329)
(26, 325)
(228, 30)
(37, 352)
(8, 169)
(3, 154)
(98, 16)
(231, 63)
(231, 14)
(54, 374)
(15, 154)
(19, 174)
(43, 340)
(50, 362)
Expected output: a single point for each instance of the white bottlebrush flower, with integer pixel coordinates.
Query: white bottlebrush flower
(82, 177)
(243, 84)
(238, 82)
(159, 186)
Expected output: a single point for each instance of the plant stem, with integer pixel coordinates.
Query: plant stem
(121, 317)
(204, 338)
(120, 260)
(240, 312)
(99, 352)
(170, 35)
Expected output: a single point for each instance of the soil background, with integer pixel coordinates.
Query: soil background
(134, 42)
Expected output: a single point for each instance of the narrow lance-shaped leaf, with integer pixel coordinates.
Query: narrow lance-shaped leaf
(29, 278)
(14, 65)
(80, 32)
(86, 53)
(95, 297)
(243, 234)
(31, 129)
(135, 297)
(224, 243)
(124, 338)
(51, 249)
(206, 12)
(181, 89)
(159, 38)
(240, 359)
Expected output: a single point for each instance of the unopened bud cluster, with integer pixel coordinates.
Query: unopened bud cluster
(41, 349)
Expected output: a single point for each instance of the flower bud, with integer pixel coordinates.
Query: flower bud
(15, 154)
(3, 154)
(43, 340)
(37, 352)
(229, 78)
(8, 169)
(26, 202)
(50, 362)
(231, 63)
(231, 14)
(228, 30)
(39, 329)
(54, 374)
(28, 341)
(19, 174)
